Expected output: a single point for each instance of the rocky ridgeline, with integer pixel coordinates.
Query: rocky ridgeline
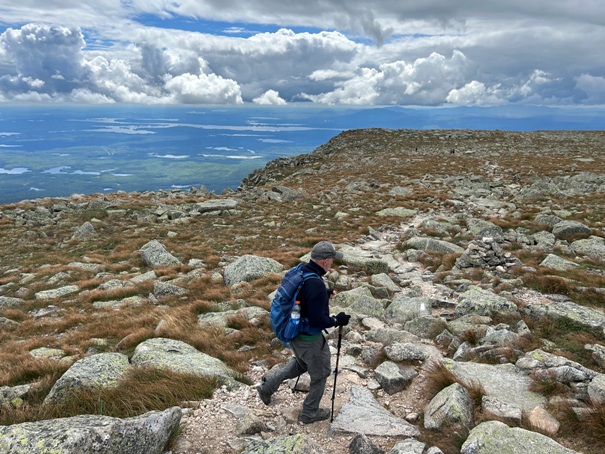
(406, 320)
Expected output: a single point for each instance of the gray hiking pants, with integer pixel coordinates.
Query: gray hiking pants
(310, 356)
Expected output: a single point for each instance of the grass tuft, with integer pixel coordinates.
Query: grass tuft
(143, 389)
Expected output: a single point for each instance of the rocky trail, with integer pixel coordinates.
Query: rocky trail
(475, 280)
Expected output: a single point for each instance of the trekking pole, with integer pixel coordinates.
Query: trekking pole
(336, 370)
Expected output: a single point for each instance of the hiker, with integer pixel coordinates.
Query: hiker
(311, 350)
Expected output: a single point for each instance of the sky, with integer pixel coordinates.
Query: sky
(280, 52)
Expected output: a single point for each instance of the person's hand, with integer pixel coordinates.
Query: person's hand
(342, 319)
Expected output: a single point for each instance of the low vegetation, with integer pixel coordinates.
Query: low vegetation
(353, 175)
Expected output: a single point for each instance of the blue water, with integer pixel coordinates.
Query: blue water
(51, 151)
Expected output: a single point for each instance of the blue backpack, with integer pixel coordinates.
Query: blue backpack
(284, 327)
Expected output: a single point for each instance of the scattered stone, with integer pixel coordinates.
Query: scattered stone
(391, 377)
(362, 414)
(361, 444)
(571, 230)
(596, 389)
(481, 228)
(591, 247)
(250, 267)
(216, 206)
(148, 433)
(431, 244)
(57, 292)
(294, 444)
(494, 437)
(566, 310)
(154, 254)
(478, 301)
(86, 230)
(451, 407)
(557, 263)
(180, 357)
(409, 446)
(97, 371)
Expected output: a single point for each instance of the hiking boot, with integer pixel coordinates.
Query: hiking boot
(322, 413)
(264, 395)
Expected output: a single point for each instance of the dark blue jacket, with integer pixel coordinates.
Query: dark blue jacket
(315, 301)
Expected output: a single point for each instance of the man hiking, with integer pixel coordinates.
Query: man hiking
(311, 350)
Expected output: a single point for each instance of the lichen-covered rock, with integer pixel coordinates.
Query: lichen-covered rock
(480, 228)
(180, 357)
(57, 292)
(478, 301)
(7, 301)
(545, 364)
(477, 324)
(216, 205)
(383, 280)
(250, 267)
(598, 353)
(47, 353)
(392, 378)
(7, 323)
(97, 371)
(591, 247)
(365, 415)
(295, 444)
(368, 306)
(348, 297)
(400, 212)
(567, 230)
(566, 310)
(548, 219)
(426, 326)
(388, 336)
(452, 406)
(148, 433)
(596, 389)
(370, 265)
(86, 230)
(494, 437)
(154, 254)
(431, 244)
(404, 308)
(411, 446)
(503, 382)
(166, 289)
(221, 319)
(12, 396)
(411, 351)
(544, 240)
(558, 263)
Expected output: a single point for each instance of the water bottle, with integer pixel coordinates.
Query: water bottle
(295, 314)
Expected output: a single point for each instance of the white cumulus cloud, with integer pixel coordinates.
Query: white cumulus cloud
(270, 97)
(428, 52)
(203, 88)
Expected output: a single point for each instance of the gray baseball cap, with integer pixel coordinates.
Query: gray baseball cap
(325, 250)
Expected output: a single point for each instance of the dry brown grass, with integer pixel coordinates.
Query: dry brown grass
(449, 438)
(24, 368)
(583, 430)
(143, 389)
(546, 383)
(569, 337)
(284, 232)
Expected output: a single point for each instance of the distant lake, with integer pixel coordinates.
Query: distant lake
(53, 151)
